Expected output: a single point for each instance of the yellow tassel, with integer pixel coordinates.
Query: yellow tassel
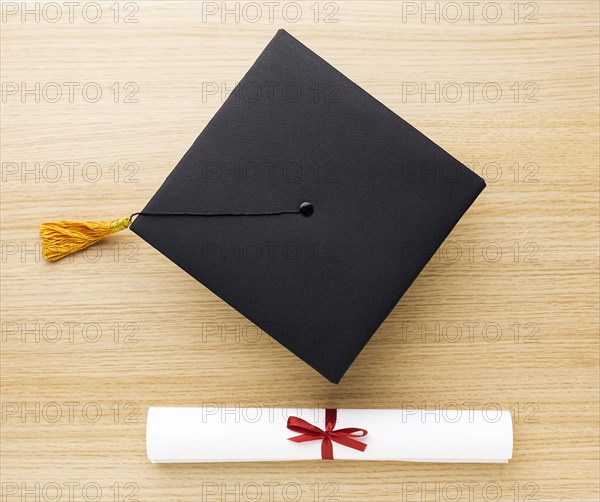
(61, 238)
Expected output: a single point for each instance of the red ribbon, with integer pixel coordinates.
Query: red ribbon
(309, 432)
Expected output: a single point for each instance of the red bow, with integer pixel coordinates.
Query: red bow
(309, 432)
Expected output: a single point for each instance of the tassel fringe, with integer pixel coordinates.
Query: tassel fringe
(61, 238)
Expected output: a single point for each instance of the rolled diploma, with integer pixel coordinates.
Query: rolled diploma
(223, 434)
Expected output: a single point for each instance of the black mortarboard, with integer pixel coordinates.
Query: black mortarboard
(383, 198)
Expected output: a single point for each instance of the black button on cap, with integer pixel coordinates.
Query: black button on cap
(306, 209)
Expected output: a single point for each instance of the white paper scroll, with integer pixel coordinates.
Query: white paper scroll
(219, 434)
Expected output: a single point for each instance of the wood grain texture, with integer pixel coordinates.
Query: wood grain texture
(505, 315)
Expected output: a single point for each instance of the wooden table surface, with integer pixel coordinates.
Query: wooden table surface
(101, 100)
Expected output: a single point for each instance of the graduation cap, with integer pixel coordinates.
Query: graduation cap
(305, 204)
